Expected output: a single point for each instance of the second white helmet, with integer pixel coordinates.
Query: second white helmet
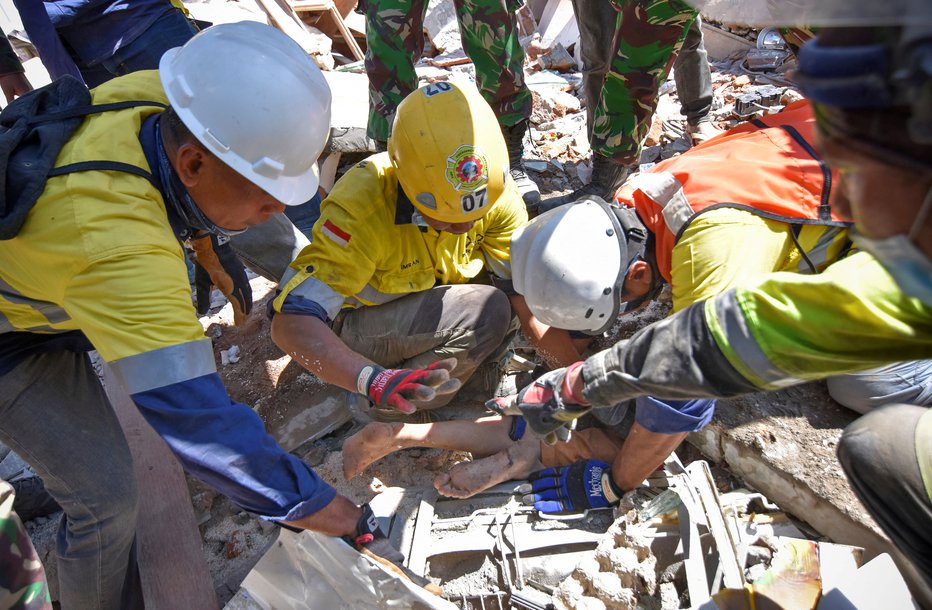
(570, 263)
(256, 100)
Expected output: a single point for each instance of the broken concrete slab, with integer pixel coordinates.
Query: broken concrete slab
(349, 112)
(547, 79)
(441, 26)
(722, 45)
(783, 444)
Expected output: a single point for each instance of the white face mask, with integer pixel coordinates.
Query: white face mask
(910, 268)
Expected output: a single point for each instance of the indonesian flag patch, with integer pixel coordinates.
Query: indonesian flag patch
(336, 234)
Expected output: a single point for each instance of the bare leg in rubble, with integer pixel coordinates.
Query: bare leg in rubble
(469, 478)
(488, 438)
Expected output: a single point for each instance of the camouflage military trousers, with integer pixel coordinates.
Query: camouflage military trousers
(22, 577)
(645, 41)
(395, 41)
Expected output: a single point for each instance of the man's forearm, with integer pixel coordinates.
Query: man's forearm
(315, 347)
(676, 358)
(554, 345)
(339, 518)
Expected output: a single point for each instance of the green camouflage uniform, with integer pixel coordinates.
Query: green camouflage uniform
(648, 36)
(395, 41)
(22, 577)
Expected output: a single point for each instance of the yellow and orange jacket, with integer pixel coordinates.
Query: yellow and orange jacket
(786, 181)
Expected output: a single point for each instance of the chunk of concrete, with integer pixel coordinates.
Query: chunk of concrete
(349, 112)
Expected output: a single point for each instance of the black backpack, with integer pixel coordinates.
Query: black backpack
(33, 130)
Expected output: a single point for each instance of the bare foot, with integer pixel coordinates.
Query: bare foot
(469, 478)
(373, 442)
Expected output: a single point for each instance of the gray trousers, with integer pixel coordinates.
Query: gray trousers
(878, 453)
(468, 322)
(898, 383)
(693, 76)
(269, 248)
(691, 71)
(55, 415)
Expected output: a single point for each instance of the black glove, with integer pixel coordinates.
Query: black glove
(217, 264)
(543, 406)
(580, 486)
(371, 541)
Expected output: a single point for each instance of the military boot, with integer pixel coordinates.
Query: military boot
(607, 177)
(514, 140)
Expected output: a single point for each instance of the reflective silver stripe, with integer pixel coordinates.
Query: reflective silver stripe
(376, 297)
(290, 272)
(667, 191)
(818, 255)
(313, 289)
(745, 346)
(165, 366)
(53, 313)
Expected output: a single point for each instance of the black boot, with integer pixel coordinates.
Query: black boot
(514, 140)
(607, 177)
(32, 499)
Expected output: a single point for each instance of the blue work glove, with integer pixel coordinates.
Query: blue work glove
(580, 486)
(544, 405)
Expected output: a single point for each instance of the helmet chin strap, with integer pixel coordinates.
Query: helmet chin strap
(656, 280)
(633, 238)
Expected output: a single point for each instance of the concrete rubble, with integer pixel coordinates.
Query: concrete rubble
(490, 551)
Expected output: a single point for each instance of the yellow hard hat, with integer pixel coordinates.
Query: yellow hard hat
(449, 153)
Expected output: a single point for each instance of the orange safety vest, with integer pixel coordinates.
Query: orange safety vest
(768, 166)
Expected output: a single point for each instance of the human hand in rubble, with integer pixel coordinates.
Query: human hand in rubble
(370, 540)
(218, 265)
(580, 486)
(403, 388)
(549, 405)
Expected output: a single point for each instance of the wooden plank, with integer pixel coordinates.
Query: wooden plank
(285, 18)
(172, 564)
(329, 8)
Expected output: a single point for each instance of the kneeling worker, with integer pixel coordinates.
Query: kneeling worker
(384, 288)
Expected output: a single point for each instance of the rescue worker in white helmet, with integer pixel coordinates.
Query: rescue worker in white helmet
(392, 281)
(225, 134)
(870, 87)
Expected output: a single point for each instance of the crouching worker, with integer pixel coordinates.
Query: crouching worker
(215, 141)
(386, 299)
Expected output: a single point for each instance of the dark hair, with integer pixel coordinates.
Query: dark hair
(175, 131)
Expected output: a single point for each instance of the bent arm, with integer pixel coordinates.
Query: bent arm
(554, 345)
(786, 329)
(309, 341)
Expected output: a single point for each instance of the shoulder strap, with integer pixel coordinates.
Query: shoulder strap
(116, 166)
(79, 111)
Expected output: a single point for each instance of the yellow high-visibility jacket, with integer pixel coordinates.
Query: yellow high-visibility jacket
(98, 255)
(368, 249)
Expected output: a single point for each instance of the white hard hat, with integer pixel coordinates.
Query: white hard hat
(255, 99)
(570, 263)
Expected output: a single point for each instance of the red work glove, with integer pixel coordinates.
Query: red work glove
(401, 388)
